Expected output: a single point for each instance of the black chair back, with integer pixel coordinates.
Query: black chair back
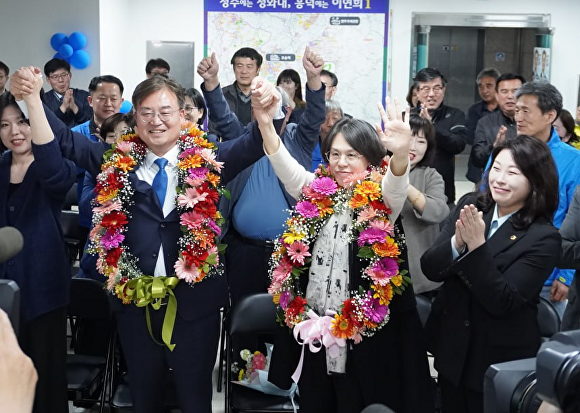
(548, 319)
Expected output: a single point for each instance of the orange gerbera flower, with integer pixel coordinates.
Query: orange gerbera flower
(383, 293)
(368, 188)
(213, 179)
(192, 161)
(386, 249)
(202, 142)
(125, 163)
(324, 206)
(342, 326)
(358, 201)
(106, 194)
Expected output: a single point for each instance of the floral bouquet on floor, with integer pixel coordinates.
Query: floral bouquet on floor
(255, 373)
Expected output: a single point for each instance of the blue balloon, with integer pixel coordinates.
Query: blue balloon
(57, 40)
(80, 59)
(77, 40)
(65, 50)
(58, 56)
(126, 107)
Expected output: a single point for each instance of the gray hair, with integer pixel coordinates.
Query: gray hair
(488, 72)
(549, 98)
(333, 105)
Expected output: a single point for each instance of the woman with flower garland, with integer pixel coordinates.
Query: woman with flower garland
(493, 256)
(34, 181)
(338, 276)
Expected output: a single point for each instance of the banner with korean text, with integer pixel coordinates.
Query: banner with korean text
(351, 35)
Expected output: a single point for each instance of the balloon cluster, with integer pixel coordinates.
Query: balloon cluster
(69, 49)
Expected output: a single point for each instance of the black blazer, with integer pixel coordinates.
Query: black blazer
(487, 309)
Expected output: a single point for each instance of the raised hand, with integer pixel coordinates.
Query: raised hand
(265, 99)
(208, 69)
(396, 132)
(500, 137)
(22, 82)
(37, 82)
(313, 64)
(471, 227)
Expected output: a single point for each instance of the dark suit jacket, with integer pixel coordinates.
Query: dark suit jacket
(147, 228)
(486, 311)
(69, 118)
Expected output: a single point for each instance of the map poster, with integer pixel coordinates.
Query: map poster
(351, 35)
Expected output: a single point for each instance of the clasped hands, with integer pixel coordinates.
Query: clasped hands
(469, 229)
(26, 82)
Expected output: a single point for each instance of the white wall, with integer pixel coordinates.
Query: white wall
(565, 59)
(27, 26)
(128, 24)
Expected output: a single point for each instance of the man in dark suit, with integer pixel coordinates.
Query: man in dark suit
(70, 105)
(152, 232)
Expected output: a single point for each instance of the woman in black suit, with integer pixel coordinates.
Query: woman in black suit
(493, 255)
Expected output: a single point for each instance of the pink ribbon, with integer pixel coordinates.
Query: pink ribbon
(315, 332)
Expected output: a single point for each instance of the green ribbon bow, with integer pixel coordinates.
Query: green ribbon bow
(147, 290)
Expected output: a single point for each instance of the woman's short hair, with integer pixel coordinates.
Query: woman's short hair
(418, 124)
(360, 135)
(198, 101)
(295, 77)
(413, 88)
(6, 100)
(534, 160)
(112, 121)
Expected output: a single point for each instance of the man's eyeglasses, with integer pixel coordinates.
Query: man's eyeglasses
(436, 89)
(335, 156)
(62, 76)
(148, 116)
(188, 108)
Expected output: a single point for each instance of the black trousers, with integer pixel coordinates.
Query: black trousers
(191, 361)
(459, 399)
(44, 341)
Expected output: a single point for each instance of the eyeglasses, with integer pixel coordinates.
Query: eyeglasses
(164, 115)
(335, 156)
(436, 89)
(188, 108)
(62, 76)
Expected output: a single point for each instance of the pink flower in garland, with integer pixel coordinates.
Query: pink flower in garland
(282, 271)
(196, 176)
(190, 198)
(185, 272)
(324, 185)
(125, 146)
(370, 236)
(366, 215)
(215, 227)
(298, 252)
(188, 152)
(373, 309)
(383, 270)
(112, 240)
(284, 299)
(383, 226)
(192, 219)
(108, 206)
(210, 157)
(307, 209)
(355, 177)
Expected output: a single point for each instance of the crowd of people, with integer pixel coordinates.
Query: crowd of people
(341, 221)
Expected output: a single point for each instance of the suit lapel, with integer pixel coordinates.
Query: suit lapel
(505, 237)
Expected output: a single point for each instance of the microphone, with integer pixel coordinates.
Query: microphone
(10, 243)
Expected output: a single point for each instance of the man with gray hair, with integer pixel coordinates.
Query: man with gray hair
(334, 113)
(538, 105)
(486, 86)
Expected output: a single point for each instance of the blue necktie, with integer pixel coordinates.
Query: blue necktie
(160, 180)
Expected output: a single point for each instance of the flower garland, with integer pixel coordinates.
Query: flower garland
(196, 202)
(366, 311)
